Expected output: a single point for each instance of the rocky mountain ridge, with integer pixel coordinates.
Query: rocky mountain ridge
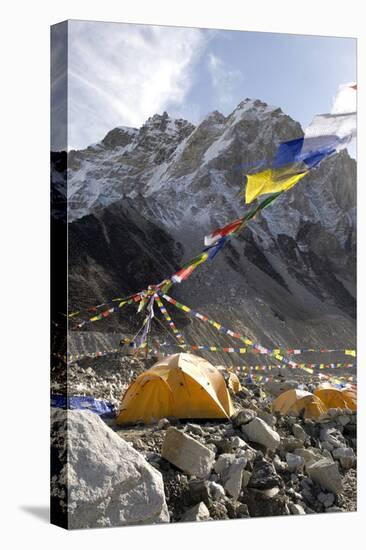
(288, 279)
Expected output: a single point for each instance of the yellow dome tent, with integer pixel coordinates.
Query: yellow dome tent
(334, 398)
(181, 386)
(297, 400)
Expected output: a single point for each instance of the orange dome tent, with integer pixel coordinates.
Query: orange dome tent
(298, 400)
(334, 398)
(182, 386)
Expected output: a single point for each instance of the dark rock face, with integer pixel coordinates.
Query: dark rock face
(119, 137)
(115, 252)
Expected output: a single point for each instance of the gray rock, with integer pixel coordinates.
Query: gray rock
(217, 492)
(205, 491)
(309, 455)
(291, 443)
(259, 432)
(307, 490)
(218, 509)
(194, 428)
(163, 424)
(223, 463)
(327, 499)
(211, 429)
(336, 412)
(278, 464)
(224, 445)
(108, 482)
(299, 432)
(326, 473)
(333, 509)
(187, 454)
(234, 477)
(244, 416)
(199, 490)
(332, 438)
(212, 448)
(237, 443)
(245, 478)
(343, 420)
(346, 457)
(296, 509)
(260, 504)
(249, 454)
(237, 510)
(295, 462)
(240, 453)
(267, 417)
(199, 512)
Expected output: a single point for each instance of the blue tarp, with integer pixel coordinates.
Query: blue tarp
(103, 408)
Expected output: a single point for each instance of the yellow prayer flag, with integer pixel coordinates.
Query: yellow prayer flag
(270, 181)
(310, 371)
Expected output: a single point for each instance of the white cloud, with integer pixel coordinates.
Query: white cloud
(345, 100)
(120, 74)
(224, 80)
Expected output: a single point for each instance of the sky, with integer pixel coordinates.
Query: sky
(121, 74)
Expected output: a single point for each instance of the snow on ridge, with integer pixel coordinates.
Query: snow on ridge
(128, 129)
(219, 145)
(258, 107)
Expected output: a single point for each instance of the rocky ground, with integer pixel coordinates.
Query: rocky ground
(255, 464)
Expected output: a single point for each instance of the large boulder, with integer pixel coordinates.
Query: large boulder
(98, 479)
(259, 432)
(187, 454)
